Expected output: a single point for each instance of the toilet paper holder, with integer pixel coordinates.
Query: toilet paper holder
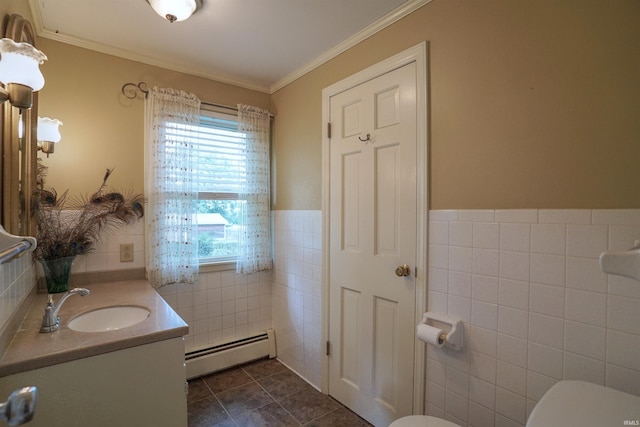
(452, 329)
(623, 263)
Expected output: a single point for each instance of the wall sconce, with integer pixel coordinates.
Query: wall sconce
(175, 10)
(48, 134)
(20, 72)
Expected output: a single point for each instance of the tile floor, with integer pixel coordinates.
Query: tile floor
(263, 393)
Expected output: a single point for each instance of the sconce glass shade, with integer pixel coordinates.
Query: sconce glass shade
(48, 129)
(20, 64)
(48, 134)
(175, 10)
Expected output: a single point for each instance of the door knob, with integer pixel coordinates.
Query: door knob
(403, 270)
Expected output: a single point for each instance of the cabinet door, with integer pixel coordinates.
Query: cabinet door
(138, 386)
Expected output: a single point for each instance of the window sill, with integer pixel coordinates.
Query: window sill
(217, 266)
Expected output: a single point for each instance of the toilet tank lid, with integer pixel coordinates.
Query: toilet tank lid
(422, 421)
(583, 404)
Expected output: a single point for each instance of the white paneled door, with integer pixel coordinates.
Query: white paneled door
(372, 239)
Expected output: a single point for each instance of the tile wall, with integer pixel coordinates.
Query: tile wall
(106, 255)
(16, 281)
(297, 291)
(221, 307)
(536, 309)
(526, 283)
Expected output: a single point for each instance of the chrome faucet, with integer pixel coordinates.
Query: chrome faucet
(50, 320)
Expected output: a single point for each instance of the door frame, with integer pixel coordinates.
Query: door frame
(417, 54)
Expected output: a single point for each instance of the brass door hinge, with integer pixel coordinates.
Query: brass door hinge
(329, 130)
(328, 349)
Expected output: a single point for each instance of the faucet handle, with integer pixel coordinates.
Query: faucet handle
(51, 320)
(80, 291)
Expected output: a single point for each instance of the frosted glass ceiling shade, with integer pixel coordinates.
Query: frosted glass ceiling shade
(20, 63)
(175, 10)
(48, 129)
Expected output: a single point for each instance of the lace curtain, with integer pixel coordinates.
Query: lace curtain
(255, 241)
(171, 164)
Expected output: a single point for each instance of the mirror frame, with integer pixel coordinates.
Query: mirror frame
(18, 163)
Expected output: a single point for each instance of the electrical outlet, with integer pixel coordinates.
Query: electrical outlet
(126, 252)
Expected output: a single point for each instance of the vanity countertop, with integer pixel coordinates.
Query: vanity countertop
(30, 349)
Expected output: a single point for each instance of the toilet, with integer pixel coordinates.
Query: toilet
(583, 404)
(422, 421)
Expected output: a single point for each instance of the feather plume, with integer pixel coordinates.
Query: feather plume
(67, 228)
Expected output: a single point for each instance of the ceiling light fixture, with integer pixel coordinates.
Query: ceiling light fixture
(19, 72)
(175, 10)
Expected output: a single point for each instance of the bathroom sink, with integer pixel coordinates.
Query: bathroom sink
(109, 318)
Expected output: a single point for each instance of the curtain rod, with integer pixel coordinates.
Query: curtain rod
(130, 91)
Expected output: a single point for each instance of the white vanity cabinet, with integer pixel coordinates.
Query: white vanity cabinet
(137, 386)
(134, 376)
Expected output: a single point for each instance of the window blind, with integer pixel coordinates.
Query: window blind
(221, 152)
(222, 155)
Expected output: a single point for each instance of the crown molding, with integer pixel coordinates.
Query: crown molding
(390, 18)
(125, 54)
(36, 16)
(150, 60)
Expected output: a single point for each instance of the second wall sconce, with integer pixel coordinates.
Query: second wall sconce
(48, 134)
(19, 72)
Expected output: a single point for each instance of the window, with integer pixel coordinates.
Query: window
(222, 166)
(201, 168)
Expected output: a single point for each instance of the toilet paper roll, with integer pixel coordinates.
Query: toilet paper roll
(430, 335)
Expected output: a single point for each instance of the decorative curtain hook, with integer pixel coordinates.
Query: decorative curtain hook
(130, 90)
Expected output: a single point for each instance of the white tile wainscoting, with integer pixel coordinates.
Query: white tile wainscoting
(221, 307)
(17, 279)
(526, 283)
(106, 255)
(535, 305)
(224, 306)
(297, 291)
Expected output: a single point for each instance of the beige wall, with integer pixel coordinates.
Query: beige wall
(102, 128)
(20, 7)
(533, 104)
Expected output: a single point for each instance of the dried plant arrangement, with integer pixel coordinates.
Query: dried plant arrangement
(67, 228)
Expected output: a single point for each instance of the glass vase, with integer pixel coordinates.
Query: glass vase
(56, 273)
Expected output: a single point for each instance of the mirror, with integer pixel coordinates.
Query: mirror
(18, 163)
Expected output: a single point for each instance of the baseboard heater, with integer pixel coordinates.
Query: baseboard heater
(215, 358)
